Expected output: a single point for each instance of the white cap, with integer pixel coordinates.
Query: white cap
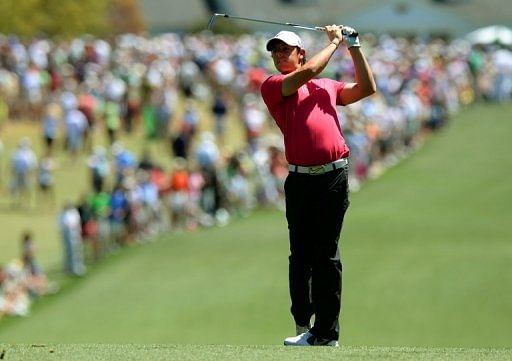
(287, 37)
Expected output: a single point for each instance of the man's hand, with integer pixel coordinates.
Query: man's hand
(350, 37)
(334, 34)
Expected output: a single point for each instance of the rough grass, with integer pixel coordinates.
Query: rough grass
(92, 352)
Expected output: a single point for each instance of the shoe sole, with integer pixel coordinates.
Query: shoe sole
(294, 344)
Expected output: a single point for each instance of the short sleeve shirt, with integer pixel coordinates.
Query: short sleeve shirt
(308, 120)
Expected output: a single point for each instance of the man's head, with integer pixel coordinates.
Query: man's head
(287, 37)
(287, 51)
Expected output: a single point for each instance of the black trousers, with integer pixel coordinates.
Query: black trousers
(315, 208)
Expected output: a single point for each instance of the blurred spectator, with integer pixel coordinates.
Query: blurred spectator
(149, 120)
(254, 118)
(112, 120)
(211, 193)
(31, 82)
(70, 231)
(180, 143)
(146, 196)
(99, 166)
(50, 127)
(119, 216)
(237, 186)
(502, 59)
(178, 199)
(23, 280)
(165, 107)
(278, 170)
(132, 109)
(207, 153)
(189, 72)
(124, 161)
(4, 306)
(23, 166)
(219, 110)
(45, 180)
(36, 280)
(87, 104)
(146, 161)
(76, 127)
(88, 227)
(99, 203)
(191, 118)
(14, 296)
(196, 182)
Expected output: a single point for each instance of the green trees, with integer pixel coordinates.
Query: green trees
(66, 18)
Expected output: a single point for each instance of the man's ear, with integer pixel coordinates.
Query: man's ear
(302, 55)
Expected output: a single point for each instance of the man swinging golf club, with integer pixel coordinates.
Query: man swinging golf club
(316, 189)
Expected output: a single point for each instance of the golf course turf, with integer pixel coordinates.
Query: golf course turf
(426, 254)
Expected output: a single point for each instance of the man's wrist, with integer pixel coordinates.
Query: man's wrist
(335, 43)
(352, 41)
(350, 37)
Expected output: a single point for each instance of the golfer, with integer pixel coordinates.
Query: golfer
(316, 189)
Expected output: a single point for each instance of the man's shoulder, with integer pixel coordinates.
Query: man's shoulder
(273, 78)
(271, 86)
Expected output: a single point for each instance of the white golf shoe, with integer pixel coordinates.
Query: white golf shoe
(308, 339)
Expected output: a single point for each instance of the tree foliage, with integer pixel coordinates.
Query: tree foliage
(67, 18)
(21, 17)
(125, 17)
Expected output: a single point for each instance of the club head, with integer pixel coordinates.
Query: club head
(212, 20)
(210, 23)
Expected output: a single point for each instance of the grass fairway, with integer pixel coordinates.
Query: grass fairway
(426, 251)
(428, 246)
(235, 353)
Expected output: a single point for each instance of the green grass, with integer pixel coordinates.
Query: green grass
(426, 251)
(430, 242)
(111, 352)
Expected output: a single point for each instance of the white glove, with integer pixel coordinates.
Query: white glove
(350, 37)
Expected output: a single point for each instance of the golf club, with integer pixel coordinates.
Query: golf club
(299, 26)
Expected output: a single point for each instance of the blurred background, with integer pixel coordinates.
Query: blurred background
(141, 176)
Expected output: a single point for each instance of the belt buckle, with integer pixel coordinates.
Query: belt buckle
(316, 170)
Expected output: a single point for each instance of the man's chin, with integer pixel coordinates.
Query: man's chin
(284, 69)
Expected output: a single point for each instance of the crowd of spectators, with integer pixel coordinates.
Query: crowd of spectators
(23, 280)
(76, 89)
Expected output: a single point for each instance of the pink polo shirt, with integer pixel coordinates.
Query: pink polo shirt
(308, 120)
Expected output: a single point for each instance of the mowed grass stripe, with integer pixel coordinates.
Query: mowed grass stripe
(181, 289)
(426, 252)
(428, 244)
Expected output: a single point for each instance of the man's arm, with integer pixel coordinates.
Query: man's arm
(294, 80)
(365, 83)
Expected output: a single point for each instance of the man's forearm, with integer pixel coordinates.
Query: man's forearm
(318, 62)
(363, 73)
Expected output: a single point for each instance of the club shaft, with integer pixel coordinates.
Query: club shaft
(314, 28)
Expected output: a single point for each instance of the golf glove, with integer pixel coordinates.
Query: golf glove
(350, 37)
